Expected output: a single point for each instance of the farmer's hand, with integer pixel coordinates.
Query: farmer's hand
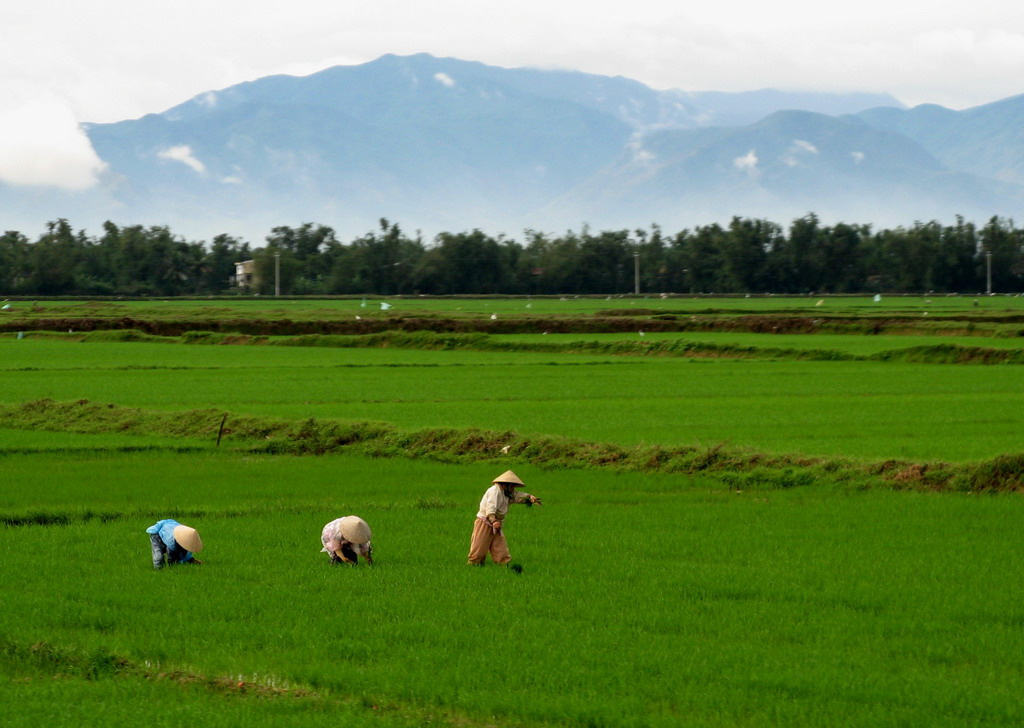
(535, 499)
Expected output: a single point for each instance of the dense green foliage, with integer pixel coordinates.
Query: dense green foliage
(747, 255)
(125, 261)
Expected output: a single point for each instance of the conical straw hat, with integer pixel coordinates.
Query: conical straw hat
(508, 477)
(188, 538)
(355, 530)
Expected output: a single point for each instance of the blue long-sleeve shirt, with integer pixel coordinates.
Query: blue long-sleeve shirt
(165, 530)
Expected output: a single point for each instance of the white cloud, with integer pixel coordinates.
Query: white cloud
(42, 144)
(799, 147)
(445, 79)
(858, 157)
(183, 154)
(209, 99)
(747, 163)
(231, 180)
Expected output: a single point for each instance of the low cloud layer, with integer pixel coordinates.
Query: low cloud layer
(42, 145)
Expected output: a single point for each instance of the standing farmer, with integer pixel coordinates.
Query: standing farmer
(488, 536)
(346, 539)
(174, 542)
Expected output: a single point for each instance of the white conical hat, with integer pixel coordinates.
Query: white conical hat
(355, 530)
(508, 477)
(188, 538)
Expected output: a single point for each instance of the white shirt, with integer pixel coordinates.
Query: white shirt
(495, 503)
(332, 540)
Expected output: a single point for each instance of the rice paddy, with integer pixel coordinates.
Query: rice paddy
(868, 410)
(645, 599)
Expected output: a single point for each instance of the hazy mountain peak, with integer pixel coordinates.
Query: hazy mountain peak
(448, 144)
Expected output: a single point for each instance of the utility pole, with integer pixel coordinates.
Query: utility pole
(277, 274)
(636, 273)
(988, 272)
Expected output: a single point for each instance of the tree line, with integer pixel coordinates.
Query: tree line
(744, 256)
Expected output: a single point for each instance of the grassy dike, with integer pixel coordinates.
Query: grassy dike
(932, 353)
(733, 467)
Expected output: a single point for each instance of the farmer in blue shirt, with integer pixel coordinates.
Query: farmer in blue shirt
(174, 541)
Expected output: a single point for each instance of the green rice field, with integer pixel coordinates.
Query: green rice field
(566, 305)
(868, 410)
(647, 597)
(644, 600)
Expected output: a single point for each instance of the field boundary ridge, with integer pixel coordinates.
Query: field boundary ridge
(601, 321)
(736, 467)
(941, 353)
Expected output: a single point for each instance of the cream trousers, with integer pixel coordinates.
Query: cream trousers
(486, 540)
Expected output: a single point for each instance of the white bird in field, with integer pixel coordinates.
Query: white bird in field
(494, 317)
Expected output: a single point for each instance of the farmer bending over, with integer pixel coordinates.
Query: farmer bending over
(346, 539)
(174, 542)
(488, 535)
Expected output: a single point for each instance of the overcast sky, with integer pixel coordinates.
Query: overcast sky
(62, 63)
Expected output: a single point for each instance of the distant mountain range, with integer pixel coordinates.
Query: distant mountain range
(443, 144)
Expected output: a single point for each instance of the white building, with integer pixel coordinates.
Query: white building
(245, 274)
